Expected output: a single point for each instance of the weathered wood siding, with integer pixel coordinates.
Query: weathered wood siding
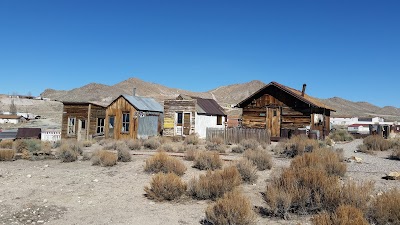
(116, 109)
(84, 111)
(170, 109)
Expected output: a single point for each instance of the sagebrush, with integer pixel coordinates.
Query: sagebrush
(162, 162)
(206, 160)
(165, 187)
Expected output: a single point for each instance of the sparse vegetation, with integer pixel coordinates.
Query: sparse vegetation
(165, 187)
(297, 145)
(124, 155)
(385, 208)
(344, 214)
(215, 184)
(7, 154)
(190, 154)
(192, 139)
(375, 143)
(250, 144)
(206, 160)
(260, 158)
(247, 170)
(6, 144)
(216, 144)
(67, 154)
(233, 208)
(104, 158)
(395, 153)
(162, 162)
(87, 143)
(134, 144)
(152, 143)
(168, 147)
(340, 135)
(238, 149)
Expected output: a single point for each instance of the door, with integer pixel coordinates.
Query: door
(274, 121)
(81, 130)
(186, 124)
(111, 126)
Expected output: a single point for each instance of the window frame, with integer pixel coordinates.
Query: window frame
(219, 120)
(71, 126)
(99, 125)
(125, 122)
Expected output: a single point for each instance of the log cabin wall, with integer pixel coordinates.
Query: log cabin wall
(170, 109)
(116, 109)
(81, 112)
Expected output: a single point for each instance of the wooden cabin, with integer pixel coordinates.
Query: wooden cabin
(189, 115)
(133, 117)
(82, 120)
(285, 111)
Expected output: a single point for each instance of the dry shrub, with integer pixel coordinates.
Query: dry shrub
(167, 187)
(177, 138)
(162, 162)
(205, 160)
(395, 153)
(232, 208)
(324, 159)
(86, 156)
(214, 184)
(341, 135)
(104, 158)
(180, 148)
(385, 208)
(134, 144)
(74, 145)
(190, 154)
(260, 158)
(7, 154)
(247, 170)
(343, 215)
(167, 147)
(297, 145)
(152, 143)
(238, 149)
(110, 145)
(192, 139)
(6, 144)
(215, 146)
(67, 154)
(250, 144)
(376, 143)
(356, 194)
(20, 146)
(124, 155)
(87, 143)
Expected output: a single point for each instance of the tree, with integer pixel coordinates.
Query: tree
(13, 108)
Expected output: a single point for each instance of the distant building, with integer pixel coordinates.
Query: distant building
(346, 121)
(51, 135)
(359, 128)
(11, 119)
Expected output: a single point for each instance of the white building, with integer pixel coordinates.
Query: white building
(358, 128)
(51, 135)
(12, 119)
(346, 121)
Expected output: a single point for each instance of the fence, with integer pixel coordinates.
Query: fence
(235, 135)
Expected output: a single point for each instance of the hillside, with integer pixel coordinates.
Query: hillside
(224, 95)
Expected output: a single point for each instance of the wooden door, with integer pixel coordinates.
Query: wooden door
(186, 123)
(274, 121)
(81, 130)
(111, 120)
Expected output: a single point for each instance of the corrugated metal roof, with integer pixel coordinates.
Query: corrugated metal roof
(144, 103)
(29, 133)
(209, 106)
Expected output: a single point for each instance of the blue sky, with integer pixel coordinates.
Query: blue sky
(344, 48)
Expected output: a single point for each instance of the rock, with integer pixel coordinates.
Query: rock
(392, 176)
(40, 221)
(356, 159)
(46, 166)
(28, 176)
(44, 200)
(95, 180)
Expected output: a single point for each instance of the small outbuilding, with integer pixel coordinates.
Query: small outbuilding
(82, 120)
(29, 133)
(133, 117)
(187, 115)
(285, 111)
(11, 119)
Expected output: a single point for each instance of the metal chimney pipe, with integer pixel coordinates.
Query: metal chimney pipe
(304, 90)
(134, 91)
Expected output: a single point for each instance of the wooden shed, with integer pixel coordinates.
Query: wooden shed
(82, 120)
(285, 111)
(133, 117)
(188, 115)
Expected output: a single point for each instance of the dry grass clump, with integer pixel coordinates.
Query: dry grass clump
(20, 146)
(167, 147)
(247, 170)
(124, 155)
(29, 147)
(395, 153)
(151, 143)
(87, 143)
(214, 184)
(165, 187)
(216, 144)
(7, 154)
(206, 160)
(232, 208)
(190, 154)
(110, 144)
(344, 214)
(260, 158)
(375, 143)
(6, 144)
(341, 135)
(297, 145)
(311, 184)
(162, 162)
(104, 158)
(67, 154)
(74, 145)
(385, 208)
(177, 138)
(238, 149)
(134, 144)
(250, 144)
(192, 139)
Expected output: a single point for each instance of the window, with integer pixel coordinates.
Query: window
(100, 125)
(111, 122)
(125, 122)
(83, 124)
(71, 125)
(179, 119)
(219, 120)
(275, 113)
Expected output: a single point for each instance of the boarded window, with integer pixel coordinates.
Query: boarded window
(219, 120)
(100, 125)
(179, 119)
(71, 125)
(125, 122)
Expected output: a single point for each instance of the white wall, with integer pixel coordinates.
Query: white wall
(13, 121)
(343, 120)
(203, 121)
(51, 135)
(359, 129)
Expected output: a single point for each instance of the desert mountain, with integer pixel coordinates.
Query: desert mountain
(224, 95)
